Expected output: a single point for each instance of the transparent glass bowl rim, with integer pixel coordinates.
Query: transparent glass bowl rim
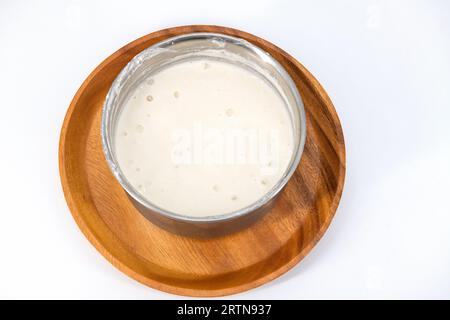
(106, 129)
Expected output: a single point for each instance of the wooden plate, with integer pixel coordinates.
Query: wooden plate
(200, 267)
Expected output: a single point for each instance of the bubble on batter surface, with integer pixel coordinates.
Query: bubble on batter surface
(229, 112)
(139, 128)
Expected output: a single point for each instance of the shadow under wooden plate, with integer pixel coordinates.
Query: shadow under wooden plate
(200, 267)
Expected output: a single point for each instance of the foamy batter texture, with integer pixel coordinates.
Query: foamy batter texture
(203, 138)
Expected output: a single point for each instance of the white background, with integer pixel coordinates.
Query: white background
(385, 65)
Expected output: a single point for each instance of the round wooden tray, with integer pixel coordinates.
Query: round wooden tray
(200, 267)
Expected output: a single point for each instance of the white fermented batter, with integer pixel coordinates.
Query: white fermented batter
(203, 138)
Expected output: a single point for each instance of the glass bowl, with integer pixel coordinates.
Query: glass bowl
(200, 46)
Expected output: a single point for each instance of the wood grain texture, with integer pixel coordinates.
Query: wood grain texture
(200, 267)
